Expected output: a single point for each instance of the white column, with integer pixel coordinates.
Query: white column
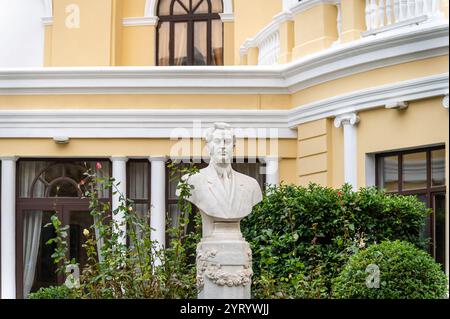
(272, 170)
(349, 121)
(158, 199)
(119, 172)
(8, 229)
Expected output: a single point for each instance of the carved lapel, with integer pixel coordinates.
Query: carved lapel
(216, 188)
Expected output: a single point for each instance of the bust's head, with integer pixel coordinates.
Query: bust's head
(220, 141)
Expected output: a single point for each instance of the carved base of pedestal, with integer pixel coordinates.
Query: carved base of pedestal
(224, 265)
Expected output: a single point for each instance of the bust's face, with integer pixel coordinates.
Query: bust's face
(221, 146)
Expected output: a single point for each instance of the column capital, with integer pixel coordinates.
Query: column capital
(271, 158)
(346, 119)
(158, 158)
(116, 158)
(445, 101)
(9, 158)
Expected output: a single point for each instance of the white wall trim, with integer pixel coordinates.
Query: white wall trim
(160, 123)
(334, 63)
(133, 123)
(47, 21)
(151, 7)
(436, 85)
(131, 22)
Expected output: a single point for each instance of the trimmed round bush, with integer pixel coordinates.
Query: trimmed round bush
(54, 292)
(405, 272)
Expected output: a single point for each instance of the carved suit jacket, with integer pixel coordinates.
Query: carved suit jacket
(210, 196)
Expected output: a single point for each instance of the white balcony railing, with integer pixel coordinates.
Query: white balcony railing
(385, 15)
(269, 48)
(268, 43)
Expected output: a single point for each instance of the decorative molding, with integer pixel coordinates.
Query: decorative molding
(397, 105)
(130, 22)
(151, 7)
(346, 119)
(132, 123)
(119, 158)
(371, 98)
(445, 101)
(9, 158)
(227, 17)
(159, 158)
(129, 123)
(331, 64)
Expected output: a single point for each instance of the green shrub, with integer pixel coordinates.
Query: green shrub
(54, 292)
(303, 236)
(139, 269)
(405, 272)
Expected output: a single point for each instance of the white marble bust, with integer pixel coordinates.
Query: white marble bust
(221, 193)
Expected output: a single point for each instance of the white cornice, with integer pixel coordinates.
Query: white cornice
(367, 99)
(330, 64)
(135, 123)
(159, 123)
(129, 22)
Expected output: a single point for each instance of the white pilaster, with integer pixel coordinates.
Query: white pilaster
(119, 172)
(8, 221)
(348, 122)
(158, 199)
(272, 170)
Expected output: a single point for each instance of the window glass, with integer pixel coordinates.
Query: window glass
(139, 178)
(200, 47)
(164, 7)
(217, 43)
(200, 6)
(163, 44)
(39, 269)
(216, 6)
(414, 171)
(181, 7)
(180, 54)
(388, 173)
(40, 179)
(439, 222)
(438, 168)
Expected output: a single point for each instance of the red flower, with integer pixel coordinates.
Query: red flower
(98, 165)
(339, 194)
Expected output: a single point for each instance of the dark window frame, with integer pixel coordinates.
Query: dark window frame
(189, 18)
(429, 192)
(61, 204)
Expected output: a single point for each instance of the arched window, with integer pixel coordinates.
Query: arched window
(190, 32)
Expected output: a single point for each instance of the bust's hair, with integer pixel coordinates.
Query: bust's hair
(218, 126)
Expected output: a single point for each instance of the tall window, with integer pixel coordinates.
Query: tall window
(43, 189)
(190, 32)
(420, 173)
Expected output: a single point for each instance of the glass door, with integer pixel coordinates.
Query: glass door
(36, 268)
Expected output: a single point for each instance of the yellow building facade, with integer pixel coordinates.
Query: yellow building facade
(323, 91)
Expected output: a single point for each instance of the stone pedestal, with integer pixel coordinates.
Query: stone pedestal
(224, 263)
